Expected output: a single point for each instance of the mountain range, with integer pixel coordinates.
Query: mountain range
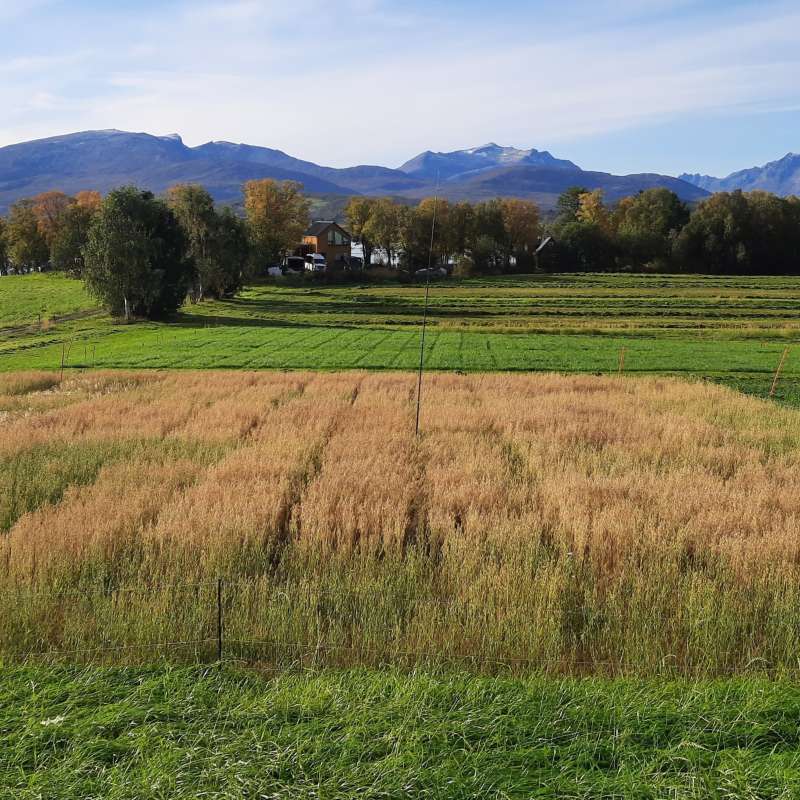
(102, 160)
(780, 177)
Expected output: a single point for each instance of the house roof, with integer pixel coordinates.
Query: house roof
(319, 226)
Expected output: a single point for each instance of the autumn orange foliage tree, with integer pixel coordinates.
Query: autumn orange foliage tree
(277, 215)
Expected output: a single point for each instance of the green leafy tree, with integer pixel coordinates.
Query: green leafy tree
(522, 232)
(218, 243)
(489, 245)
(27, 247)
(774, 241)
(136, 259)
(3, 247)
(231, 254)
(723, 237)
(425, 225)
(485, 255)
(358, 212)
(385, 227)
(458, 231)
(568, 205)
(580, 247)
(647, 224)
(70, 237)
(194, 208)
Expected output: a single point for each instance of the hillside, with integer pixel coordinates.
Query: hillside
(102, 160)
(781, 177)
(545, 184)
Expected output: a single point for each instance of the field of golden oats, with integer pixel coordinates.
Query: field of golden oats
(539, 522)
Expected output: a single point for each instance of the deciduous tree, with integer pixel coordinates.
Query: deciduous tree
(3, 247)
(646, 225)
(277, 215)
(358, 212)
(89, 199)
(522, 231)
(136, 259)
(194, 208)
(50, 208)
(592, 211)
(489, 243)
(424, 234)
(71, 236)
(385, 227)
(231, 253)
(568, 204)
(27, 247)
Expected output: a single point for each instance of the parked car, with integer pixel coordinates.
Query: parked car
(274, 271)
(295, 264)
(315, 262)
(433, 272)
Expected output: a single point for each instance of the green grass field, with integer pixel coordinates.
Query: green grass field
(160, 733)
(33, 299)
(728, 329)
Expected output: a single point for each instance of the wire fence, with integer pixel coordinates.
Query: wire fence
(270, 626)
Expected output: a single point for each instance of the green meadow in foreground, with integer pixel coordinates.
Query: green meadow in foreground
(731, 329)
(73, 733)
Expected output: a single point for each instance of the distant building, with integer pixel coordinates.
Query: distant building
(329, 239)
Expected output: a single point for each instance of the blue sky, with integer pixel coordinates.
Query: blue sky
(617, 85)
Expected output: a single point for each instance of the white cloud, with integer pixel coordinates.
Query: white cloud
(367, 82)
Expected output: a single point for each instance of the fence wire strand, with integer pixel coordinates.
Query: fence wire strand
(319, 650)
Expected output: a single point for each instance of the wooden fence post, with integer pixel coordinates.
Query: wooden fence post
(219, 619)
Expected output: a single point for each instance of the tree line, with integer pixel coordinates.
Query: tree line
(728, 233)
(143, 256)
(489, 237)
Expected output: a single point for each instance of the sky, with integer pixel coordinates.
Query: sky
(623, 86)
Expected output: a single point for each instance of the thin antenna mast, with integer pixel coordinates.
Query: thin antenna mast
(425, 312)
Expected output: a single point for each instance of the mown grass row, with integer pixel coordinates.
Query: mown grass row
(731, 330)
(186, 733)
(277, 347)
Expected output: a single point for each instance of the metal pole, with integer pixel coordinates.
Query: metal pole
(425, 312)
(219, 619)
(778, 372)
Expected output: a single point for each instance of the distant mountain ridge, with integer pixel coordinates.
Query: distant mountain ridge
(781, 177)
(447, 166)
(102, 160)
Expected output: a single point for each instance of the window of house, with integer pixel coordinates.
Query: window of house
(336, 237)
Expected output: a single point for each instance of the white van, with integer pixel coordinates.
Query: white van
(315, 262)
